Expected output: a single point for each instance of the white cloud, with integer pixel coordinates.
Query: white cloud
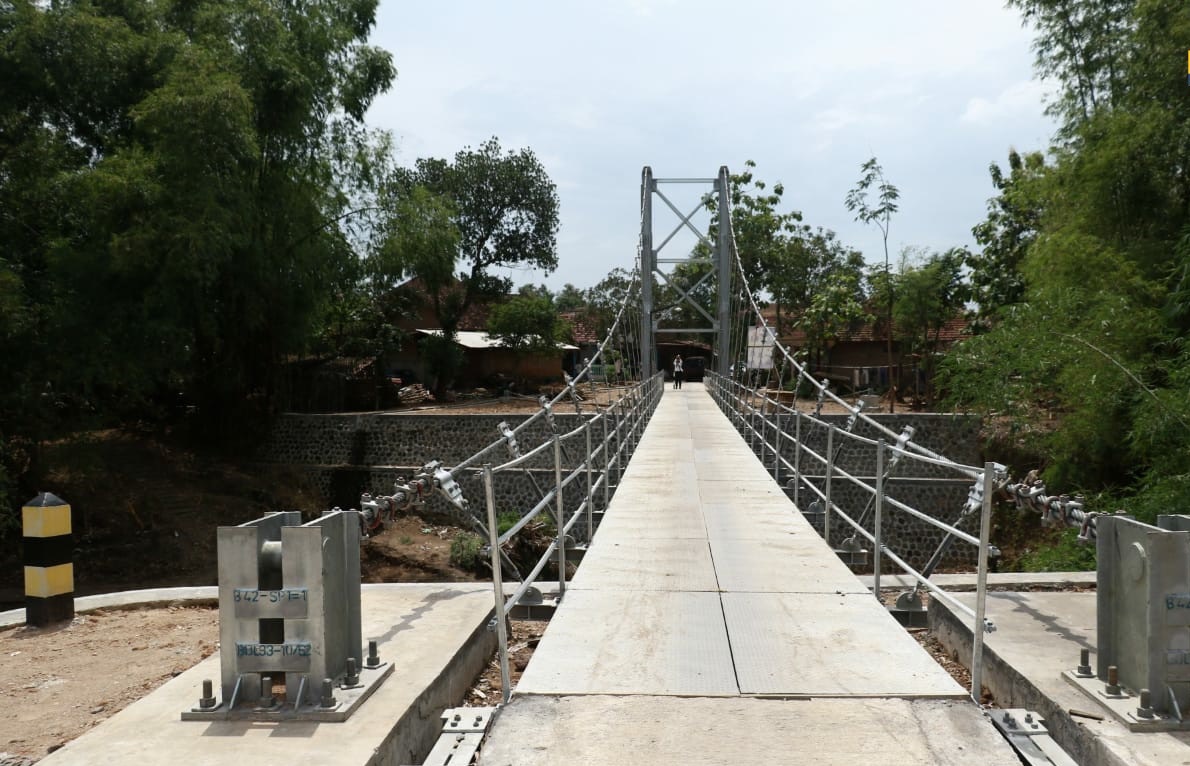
(807, 90)
(1019, 99)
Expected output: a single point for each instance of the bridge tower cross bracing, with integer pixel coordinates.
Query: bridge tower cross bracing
(721, 249)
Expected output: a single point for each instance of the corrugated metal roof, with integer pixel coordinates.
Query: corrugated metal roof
(481, 340)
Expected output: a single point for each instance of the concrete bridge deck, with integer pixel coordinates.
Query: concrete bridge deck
(710, 624)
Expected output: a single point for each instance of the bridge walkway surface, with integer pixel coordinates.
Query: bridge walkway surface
(710, 624)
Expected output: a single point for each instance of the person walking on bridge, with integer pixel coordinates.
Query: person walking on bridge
(678, 372)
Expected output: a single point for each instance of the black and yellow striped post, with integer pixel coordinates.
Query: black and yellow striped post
(49, 570)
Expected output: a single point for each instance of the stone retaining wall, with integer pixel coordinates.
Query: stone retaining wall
(345, 455)
(400, 440)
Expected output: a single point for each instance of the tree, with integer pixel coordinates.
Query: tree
(570, 298)
(1095, 342)
(833, 308)
(172, 181)
(528, 323)
(879, 213)
(809, 264)
(1083, 44)
(505, 212)
(606, 297)
(1014, 217)
(929, 295)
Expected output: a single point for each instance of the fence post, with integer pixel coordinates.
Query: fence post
(590, 488)
(981, 584)
(497, 581)
(560, 515)
(879, 512)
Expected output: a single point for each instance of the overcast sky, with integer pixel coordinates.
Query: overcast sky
(935, 89)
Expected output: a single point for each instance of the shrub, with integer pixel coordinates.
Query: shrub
(465, 550)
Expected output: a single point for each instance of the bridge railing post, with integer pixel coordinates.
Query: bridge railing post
(560, 513)
(607, 464)
(590, 486)
(619, 444)
(830, 475)
(497, 581)
(797, 460)
(778, 435)
(981, 582)
(876, 531)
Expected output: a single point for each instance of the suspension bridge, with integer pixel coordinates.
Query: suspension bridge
(710, 622)
(715, 617)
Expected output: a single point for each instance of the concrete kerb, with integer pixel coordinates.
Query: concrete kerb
(1012, 688)
(999, 580)
(1038, 635)
(204, 595)
(199, 595)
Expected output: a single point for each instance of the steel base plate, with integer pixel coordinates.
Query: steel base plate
(1123, 708)
(347, 701)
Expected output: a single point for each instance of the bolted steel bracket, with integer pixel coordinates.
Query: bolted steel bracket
(467, 720)
(444, 480)
(1026, 732)
(510, 443)
(549, 413)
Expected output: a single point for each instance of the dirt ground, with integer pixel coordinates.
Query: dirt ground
(488, 688)
(412, 550)
(60, 681)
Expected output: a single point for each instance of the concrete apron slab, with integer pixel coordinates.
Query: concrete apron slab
(669, 731)
(1038, 635)
(435, 634)
(643, 642)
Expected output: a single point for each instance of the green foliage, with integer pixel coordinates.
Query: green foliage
(817, 282)
(171, 175)
(444, 358)
(488, 208)
(835, 306)
(1083, 45)
(529, 324)
(1006, 234)
(605, 299)
(760, 229)
(813, 280)
(927, 296)
(1161, 493)
(1059, 552)
(465, 550)
(505, 521)
(1081, 281)
(570, 298)
(880, 210)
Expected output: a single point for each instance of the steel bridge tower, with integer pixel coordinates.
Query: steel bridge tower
(720, 323)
